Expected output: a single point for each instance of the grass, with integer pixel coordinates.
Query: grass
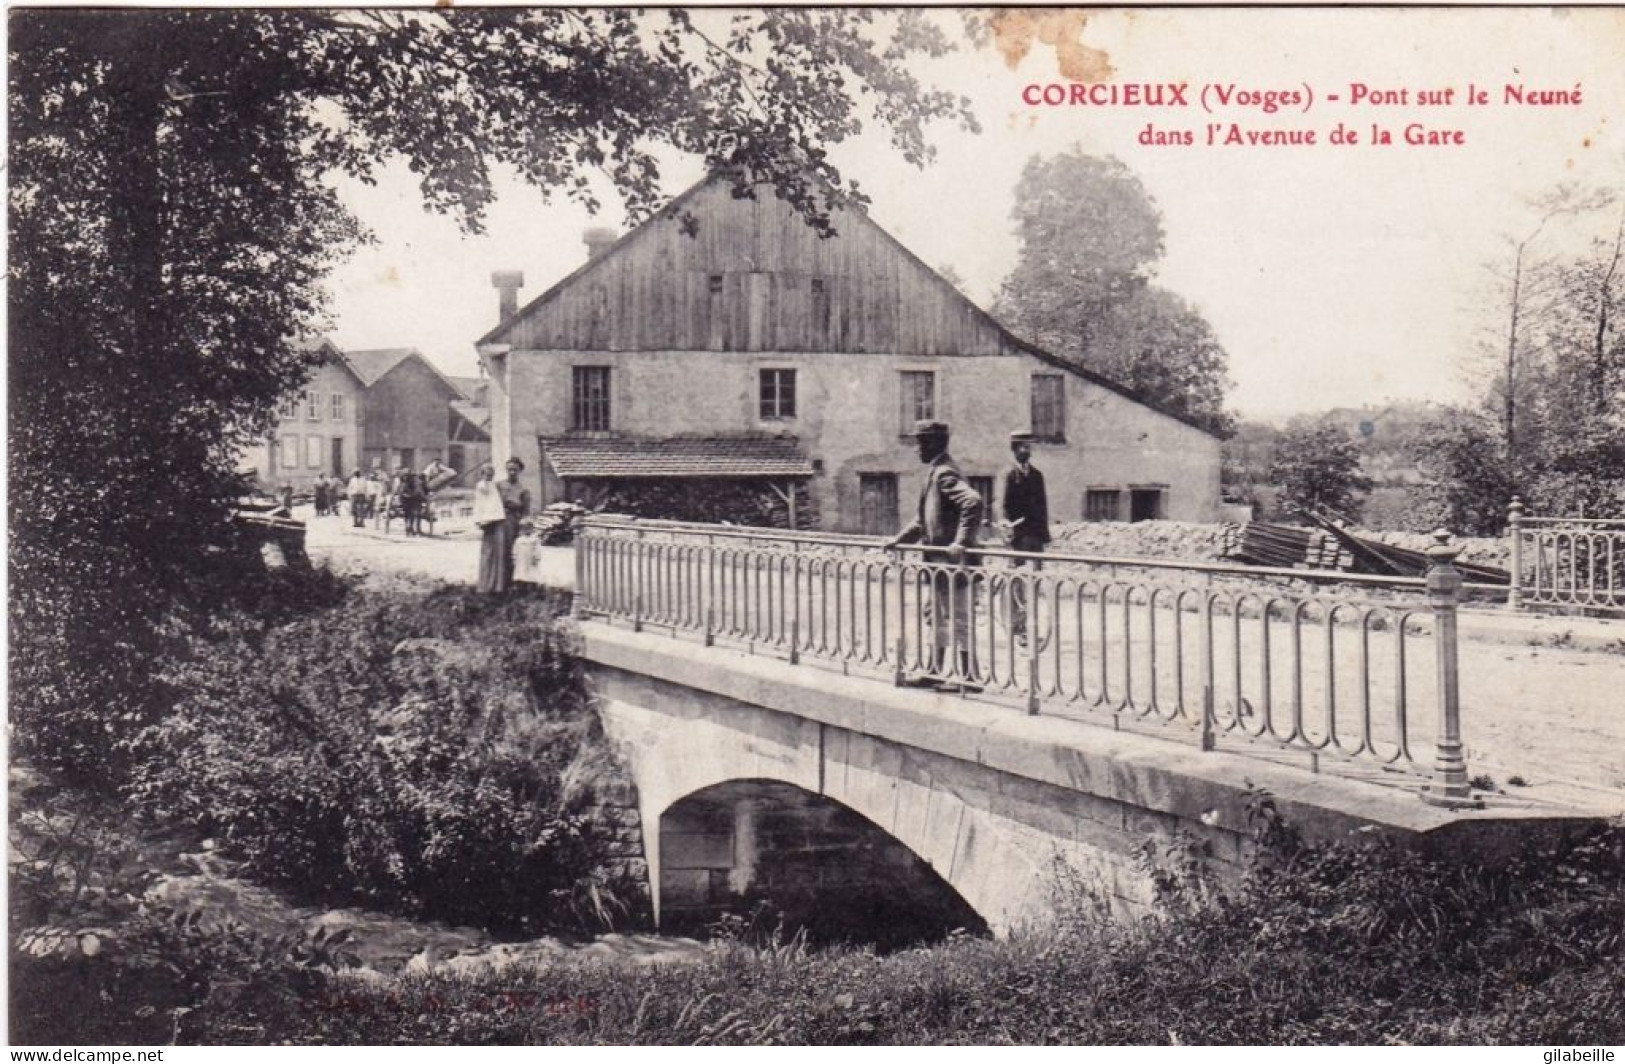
(1323, 944)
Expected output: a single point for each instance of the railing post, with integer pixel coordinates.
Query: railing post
(795, 606)
(578, 600)
(1515, 530)
(1448, 786)
(638, 561)
(1032, 673)
(1206, 664)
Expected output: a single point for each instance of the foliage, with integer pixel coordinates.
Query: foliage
(173, 217)
(1470, 486)
(711, 500)
(1318, 465)
(1091, 238)
(1559, 389)
(96, 960)
(411, 753)
(1357, 941)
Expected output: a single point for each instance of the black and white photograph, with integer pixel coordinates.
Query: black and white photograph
(796, 525)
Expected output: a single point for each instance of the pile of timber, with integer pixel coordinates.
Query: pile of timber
(1331, 546)
(1284, 547)
(1385, 559)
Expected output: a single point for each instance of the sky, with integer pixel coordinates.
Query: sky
(1334, 275)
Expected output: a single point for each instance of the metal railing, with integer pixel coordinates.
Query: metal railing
(1203, 648)
(1566, 562)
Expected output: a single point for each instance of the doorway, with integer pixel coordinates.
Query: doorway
(877, 502)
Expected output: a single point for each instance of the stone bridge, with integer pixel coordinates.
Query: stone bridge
(771, 761)
(742, 763)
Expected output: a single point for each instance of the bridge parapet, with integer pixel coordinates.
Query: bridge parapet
(1205, 651)
(1566, 562)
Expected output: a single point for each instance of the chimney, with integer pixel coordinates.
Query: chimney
(597, 239)
(508, 282)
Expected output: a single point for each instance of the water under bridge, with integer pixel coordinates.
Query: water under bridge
(810, 717)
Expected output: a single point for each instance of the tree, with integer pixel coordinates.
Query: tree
(1158, 345)
(172, 219)
(1560, 395)
(1091, 238)
(1469, 485)
(1318, 466)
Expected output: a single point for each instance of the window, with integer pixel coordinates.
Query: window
(590, 399)
(314, 445)
(290, 452)
(313, 407)
(919, 397)
(336, 407)
(1049, 407)
(778, 394)
(1100, 504)
(289, 408)
(713, 284)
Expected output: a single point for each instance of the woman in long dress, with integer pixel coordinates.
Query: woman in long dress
(496, 545)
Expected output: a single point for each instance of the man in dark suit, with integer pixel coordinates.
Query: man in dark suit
(948, 515)
(1026, 508)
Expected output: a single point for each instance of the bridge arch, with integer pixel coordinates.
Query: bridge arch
(987, 836)
(826, 868)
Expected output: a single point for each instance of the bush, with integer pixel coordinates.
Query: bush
(94, 960)
(405, 752)
(85, 646)
(1362, 942)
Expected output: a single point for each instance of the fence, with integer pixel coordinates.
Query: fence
(1204, 648)
(1566, 562)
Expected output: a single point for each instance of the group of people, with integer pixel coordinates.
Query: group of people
(377, 493)
(948, 516)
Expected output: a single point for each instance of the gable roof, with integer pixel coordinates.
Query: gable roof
(479, 417)
(329, 351)
(374, 364)
(1007, 339)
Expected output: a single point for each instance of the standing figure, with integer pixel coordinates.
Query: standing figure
(413, 496)
(948, 514)
(1026, 508)
(375, 494)
(357, 491)
(499, 535)
(320, 491)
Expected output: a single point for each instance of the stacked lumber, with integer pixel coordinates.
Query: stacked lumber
(1284, 547)
(1385, 559)
(1330, 545)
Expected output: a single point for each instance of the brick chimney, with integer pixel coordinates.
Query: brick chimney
(597, 239)
(508, 283)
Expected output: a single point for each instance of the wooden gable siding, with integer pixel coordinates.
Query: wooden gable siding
(654, 290)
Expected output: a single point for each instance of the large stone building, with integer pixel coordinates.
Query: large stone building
(724, 339)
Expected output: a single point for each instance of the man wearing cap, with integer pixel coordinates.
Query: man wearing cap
(947, 516)
(1026, 508)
